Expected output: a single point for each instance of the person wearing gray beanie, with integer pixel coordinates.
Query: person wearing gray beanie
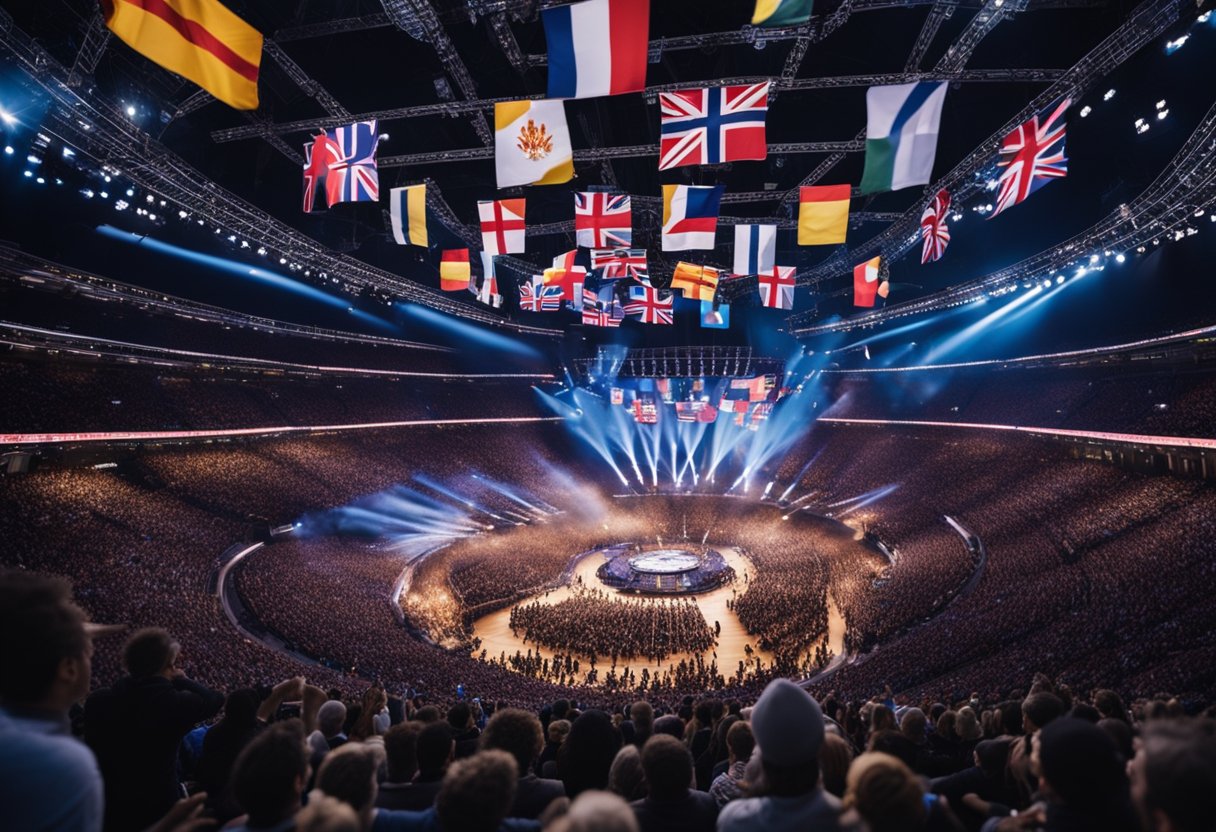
(787, 724)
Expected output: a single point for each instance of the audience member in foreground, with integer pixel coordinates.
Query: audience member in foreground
(669, 803)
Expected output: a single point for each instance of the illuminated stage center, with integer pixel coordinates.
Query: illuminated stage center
(665, 562)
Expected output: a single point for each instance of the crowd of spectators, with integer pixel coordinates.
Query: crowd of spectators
(153, 749)
(595, 622)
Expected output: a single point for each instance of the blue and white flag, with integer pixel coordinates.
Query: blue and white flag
(755, 249)
(901, 135)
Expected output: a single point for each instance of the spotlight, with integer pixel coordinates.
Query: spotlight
(40, 181)
(131, 110)
(121, 205)
(232, 238)
(1109, 94)
(104, 195)
(262, 250)
(1119, 258)
(8, 150)
(182, 214)
(1161, 104)
(1059, 280)
(33, 160)
(88, 194)
(1174, 45)
(29, 174)
(68, 153)
(7, 117)
(282, 261)
(1086, 110)
(1162, 114)
(149, 198)
(152, 217)
(130, 192)
(1093, 258)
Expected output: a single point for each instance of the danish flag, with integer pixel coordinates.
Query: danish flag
(708, 126)
(602, 220)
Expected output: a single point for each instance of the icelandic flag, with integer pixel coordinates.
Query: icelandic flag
(755, 248)
(690, 216)
(597, 47)
(901, 135)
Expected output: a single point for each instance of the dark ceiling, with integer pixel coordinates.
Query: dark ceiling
(378, 66)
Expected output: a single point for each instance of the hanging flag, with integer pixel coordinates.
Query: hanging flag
(502, 225)
(696, 282)
(933, 231)
(487, 290)
(777, 287)
(650, 305)
(617, 395)
(901, 135)
(407, 211)
(602, 220)
(715, 316)
(866, 283)
(601, 310)
(781, 12)
(597, 47)
(352, 175)
(454, 271)
(621, 263)
(200, 40)
(690, 216)
(645, 411)
(710, 126)
(1031, 156)
(535, 296)
(757, 387)
(316, 166)
(755, 248)
(823, 214)
(532, 143)
(569, 276)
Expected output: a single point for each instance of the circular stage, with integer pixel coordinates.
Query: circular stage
(665, 562)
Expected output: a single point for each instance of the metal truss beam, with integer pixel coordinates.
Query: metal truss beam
(305, 82)
(501, 28)
(454, 108)
(102, 133)
(937, 15)
(985, 20)
(333, 27)
(96, 38)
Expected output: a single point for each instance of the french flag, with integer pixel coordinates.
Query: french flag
(597, 47)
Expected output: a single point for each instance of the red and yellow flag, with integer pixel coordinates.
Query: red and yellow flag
(696, 282)
(454, 271)
(198, 39)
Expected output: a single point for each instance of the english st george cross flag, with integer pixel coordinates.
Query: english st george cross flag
(1031, 156)
(535, 296)
(650, 305)
(597, 47)
(934, 233)
(777, 287)
(709, 126)
(755, 248)
(602, 220)
(690, 216)
(502, 225)
(901, 135)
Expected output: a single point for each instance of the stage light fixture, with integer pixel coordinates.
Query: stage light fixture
(33, 160)
(182, 214)
(8, 150)
(262, 251)
(104, 195)
(29, 174)
(131, 110)
(1119, 258)
(130, 192)
(88, 194)
(1162, 114)
(1109, 95)
(40, 181)
(1086, 110)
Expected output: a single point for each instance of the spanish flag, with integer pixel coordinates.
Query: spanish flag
(454, 271)
(198, 39)
(823, 214)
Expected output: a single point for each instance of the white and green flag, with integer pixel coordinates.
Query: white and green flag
(901, 135)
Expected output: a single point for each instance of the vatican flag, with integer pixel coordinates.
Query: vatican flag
(532, 143)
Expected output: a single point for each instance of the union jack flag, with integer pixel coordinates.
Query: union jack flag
(351, 158)
(777, 287)
(1031, 156)
(620, 263)
(602, 220)
(601, 311)
(708, 126)
(650, 305)
(534, 296)
(933, 230)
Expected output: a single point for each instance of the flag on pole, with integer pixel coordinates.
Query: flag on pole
(200, 40)
(535, 296)
(777, 288)
(901, 135)
(502, 225)
(602, 220)
(690, 216)
(710, 126)
(650, 305)
(696, 282)
(823, 214)
(532, 143)
(487, 290)
(781, 12)
(454, 271)
(407, 211)
(755, 248)
(351, 159)
(866, 283)
(597, 47)
(934, 233)
(1031, 156)
(715, 316)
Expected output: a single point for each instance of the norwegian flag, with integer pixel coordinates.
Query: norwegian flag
(933, 230)
(708, 126)
(351, 159)
(535, 296)
(620, 263)
(602, 220)
(777, 288)
(1031, 156)
(650, 305)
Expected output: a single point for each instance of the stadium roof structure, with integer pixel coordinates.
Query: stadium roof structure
(431, 70)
